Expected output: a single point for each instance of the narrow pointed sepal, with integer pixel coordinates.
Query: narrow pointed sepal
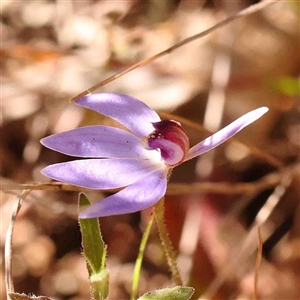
(227, 132)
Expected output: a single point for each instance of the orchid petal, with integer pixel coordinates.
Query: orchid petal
(101, 173)
(226, 133)
(128, 111)
(138, 196)
(97, 141)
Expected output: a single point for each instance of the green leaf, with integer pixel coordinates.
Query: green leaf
(176, 293)
(17, 296)
(99, 284)
(92, 242)
(94, 251)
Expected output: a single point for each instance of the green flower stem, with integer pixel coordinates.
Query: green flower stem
(166, 242)
(139, 260)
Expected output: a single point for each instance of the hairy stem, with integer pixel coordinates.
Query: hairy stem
(166, 242)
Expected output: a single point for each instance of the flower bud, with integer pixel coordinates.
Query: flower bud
(172, 141)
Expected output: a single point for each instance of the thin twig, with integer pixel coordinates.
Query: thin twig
(258, 263)
(247, 247)
(8, 244)
(215, 106)
(227, 188)
(247, 11)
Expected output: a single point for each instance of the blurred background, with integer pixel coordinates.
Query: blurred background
(53, 50)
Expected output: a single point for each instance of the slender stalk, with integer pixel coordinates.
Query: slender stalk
(257, 264)
(8, 244)
(139, 260)
(166, 242)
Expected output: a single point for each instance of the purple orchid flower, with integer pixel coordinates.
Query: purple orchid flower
(140, 160)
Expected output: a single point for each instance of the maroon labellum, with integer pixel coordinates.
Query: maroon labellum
(171, 139)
